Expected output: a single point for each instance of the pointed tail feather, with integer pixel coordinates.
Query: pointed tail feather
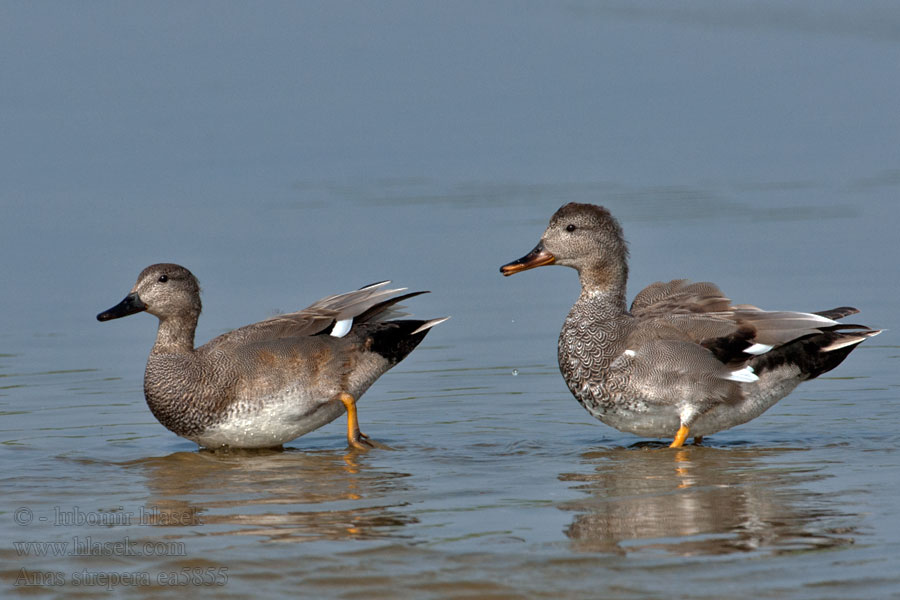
(850, 339)
(395, 339)
(837, 313)
(429, 324)
(387, 309)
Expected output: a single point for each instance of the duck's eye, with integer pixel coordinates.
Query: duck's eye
(163, 278)
(570, 228)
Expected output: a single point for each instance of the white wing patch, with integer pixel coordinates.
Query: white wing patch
(745, 375)
(342, 327)
(758, 349)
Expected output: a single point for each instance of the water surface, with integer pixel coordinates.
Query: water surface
(287, 153)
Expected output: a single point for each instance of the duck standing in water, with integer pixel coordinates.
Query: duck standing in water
(683, 361)
(265, 384)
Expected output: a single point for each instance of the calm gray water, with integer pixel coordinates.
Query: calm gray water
(288, 151)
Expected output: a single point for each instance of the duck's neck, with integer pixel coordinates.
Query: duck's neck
(604, 288)
(175, 335)
(594, 333)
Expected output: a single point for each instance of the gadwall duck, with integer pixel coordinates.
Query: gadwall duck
(683, 361)
(270, 382)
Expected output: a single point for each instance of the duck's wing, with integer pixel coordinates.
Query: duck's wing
(334, 315)
(680, 310)
(679, 296)
(702, 314)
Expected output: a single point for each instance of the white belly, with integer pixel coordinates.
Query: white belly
(270, 421)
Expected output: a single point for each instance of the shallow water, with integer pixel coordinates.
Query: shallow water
(279, 181)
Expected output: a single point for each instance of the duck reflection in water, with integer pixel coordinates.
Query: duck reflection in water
(312, 495)
(699, 500)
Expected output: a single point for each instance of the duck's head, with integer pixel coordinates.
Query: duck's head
(165, 290)
(582, 236)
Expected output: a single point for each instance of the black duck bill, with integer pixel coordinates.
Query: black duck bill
(130, 305)
(536, 258)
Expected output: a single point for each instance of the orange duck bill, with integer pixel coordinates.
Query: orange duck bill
(536, 258)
